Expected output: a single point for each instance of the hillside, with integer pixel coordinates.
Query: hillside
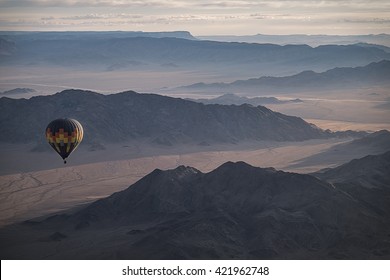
(366, 171)
(154, 118)
(376, 73)
(366, 179)
(372, 144)
(234, 212)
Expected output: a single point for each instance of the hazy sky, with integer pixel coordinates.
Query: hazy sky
(211, 17)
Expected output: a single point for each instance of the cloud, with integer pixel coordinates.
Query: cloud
(82, 3)
(252, 16)
(193, 4)
(372, 20)
(86, 17)
(48, 18)
(124, 18)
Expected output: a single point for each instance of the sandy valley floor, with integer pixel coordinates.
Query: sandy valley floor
(32, 194)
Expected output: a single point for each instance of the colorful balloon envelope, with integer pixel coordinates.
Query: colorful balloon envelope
(64, 135)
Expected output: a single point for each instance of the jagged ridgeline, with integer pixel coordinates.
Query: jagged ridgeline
(158, 119)
(236, 211)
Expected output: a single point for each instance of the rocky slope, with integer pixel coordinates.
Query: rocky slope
(236, 211)
(154, 118)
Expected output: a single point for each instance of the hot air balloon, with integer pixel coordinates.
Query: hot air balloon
(64, 135)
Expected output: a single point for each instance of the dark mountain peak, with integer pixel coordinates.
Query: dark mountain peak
(126, 93)
(249, 179)
(367, 180)
(371, 168)
(235, 211)
(185, 169)
(182, 172)
(238, 164)
(76, 93)
(366, 163)
(183, 190)
(68, 102)
(241, 166)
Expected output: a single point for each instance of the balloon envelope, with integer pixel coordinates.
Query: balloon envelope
(64, 135)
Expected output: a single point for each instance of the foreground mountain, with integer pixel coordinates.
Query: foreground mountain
(154, 118)
(234, 212)
(366, 179)
(376, 73)
(367, 171)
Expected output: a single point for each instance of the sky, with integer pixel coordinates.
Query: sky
(212, 17)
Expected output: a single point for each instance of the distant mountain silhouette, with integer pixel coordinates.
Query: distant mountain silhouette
(312, 40)
(154, 118)
(16, 91)
(105, 50)
(233, 99)
(376, 73)
(236, 211)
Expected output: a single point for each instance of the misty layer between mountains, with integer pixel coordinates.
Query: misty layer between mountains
(109, 60)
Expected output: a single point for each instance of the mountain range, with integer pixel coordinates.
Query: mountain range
(373, 74)
(158, 119)
(311, 40)
(128, 50)
(236, 211)
(234, 99)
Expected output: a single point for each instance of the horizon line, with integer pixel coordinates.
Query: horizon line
(176, 31)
